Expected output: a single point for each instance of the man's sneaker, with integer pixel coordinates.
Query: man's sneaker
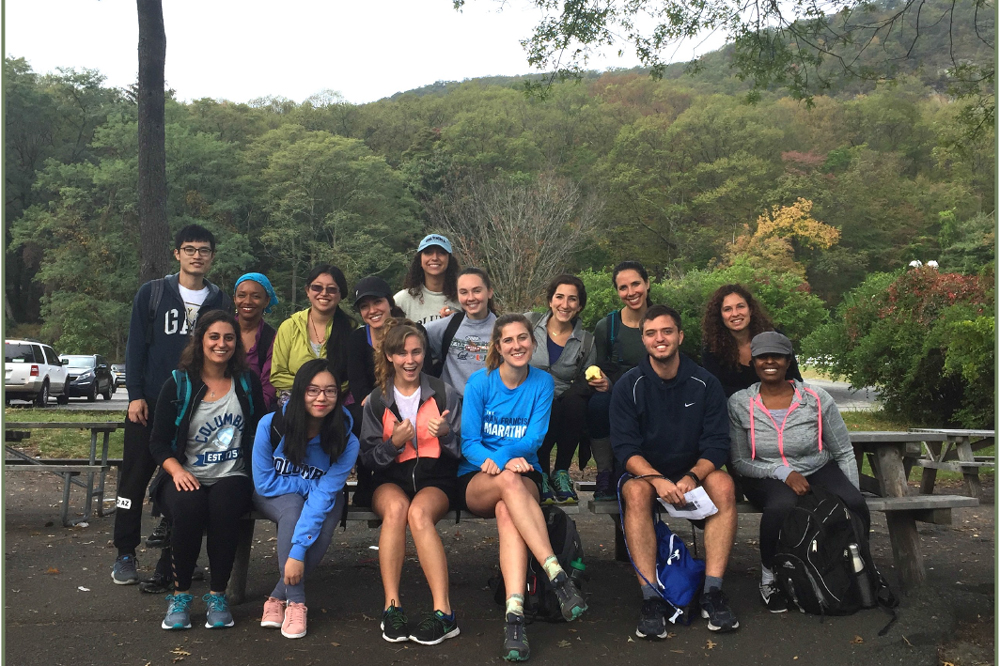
(563, 486)
(774, 598)
(604, 491)
(571, 602)
(515, 641)
(157, 584)
(715, 608)
(546, 496)
(395, 628)
(218, 616)
(652, 619)
(294, 625)
(160, 536)
(178, 612)
(435, 628)
(124, 572)
(274, 613)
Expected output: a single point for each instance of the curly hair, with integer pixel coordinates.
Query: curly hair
(493, 357)
(397, 330)
(719, 340)
(414, 279)
(193, 356)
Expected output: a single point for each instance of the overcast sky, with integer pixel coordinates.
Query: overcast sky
(240, 50)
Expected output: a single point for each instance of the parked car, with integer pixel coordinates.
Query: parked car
(33, 371)
(118, 370)
(87, 375)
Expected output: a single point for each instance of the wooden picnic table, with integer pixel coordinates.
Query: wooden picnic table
(94, 467)
(957, 453)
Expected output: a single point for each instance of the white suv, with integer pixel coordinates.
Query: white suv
(32, 371)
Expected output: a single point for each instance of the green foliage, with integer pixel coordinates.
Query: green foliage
(923, 338)
(785, 296)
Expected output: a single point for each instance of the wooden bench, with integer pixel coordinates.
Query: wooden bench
(934, 509)
(236, 592)
(95, 468)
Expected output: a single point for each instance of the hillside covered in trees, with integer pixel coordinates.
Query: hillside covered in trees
(679, 173)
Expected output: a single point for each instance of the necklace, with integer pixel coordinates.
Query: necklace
(319, 333)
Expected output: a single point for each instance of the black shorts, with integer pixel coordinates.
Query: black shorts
(448, 486)
(465, 479)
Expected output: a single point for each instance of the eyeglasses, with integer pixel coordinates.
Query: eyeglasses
(191, 250)
(313, 391)
(331, 290)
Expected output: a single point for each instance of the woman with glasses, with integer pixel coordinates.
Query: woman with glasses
(410, 438)
(319, 331)
(301, 460)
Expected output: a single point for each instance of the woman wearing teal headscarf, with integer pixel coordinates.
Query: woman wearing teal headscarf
(255, 296)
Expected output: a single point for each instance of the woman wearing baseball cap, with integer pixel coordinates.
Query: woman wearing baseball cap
(430, 289)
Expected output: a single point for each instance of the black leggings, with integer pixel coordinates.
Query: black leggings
(776, 499)
(218, 509)
(566, 423)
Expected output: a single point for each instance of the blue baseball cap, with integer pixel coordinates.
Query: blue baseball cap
(435, 239)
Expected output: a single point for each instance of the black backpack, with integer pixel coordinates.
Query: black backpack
(434, 366)
(814, 563)
(540, 602)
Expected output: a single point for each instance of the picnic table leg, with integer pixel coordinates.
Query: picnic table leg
(104, 476)
(929, 475)
(238, 579)
(973, 488)
(67, 484)
(902, 525)
(621, 553)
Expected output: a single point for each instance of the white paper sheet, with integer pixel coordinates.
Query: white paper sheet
(699, 505)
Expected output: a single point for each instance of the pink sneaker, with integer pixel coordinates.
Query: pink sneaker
(274, 613)
(294, 625)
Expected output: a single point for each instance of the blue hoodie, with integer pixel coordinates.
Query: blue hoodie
(319, 480)
(500, 423)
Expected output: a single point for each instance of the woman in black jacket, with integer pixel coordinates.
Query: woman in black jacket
(202, 438)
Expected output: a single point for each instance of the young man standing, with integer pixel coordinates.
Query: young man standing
(670, 426)
(164, 313)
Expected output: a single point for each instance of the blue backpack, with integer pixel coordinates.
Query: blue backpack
(679, 576)
(185, 397)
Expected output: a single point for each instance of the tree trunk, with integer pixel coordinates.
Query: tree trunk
(154, 260)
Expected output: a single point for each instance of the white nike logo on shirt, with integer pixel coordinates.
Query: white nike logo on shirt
(688, 404)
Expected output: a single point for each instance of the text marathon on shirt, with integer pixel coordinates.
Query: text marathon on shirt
(504, 426)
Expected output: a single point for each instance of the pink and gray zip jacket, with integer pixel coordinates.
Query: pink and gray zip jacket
(811, 434)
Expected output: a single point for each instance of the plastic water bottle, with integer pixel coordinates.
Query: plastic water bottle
(864, 583)
(576, 571)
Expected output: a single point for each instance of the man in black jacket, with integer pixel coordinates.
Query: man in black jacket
(670, 426)
(164, 313)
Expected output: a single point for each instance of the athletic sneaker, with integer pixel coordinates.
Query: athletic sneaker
(563, 486)
(715, 608)
(218, 616)
(294, 625)
(160, 536)
(773, 597)
(546, 496)
(435, 628)
(395, 627)
(178, 612)
(604, 491)
(515, 641)
(274, 613)
(571, 602)
(157, 584)
(652, 619)
(124, 572)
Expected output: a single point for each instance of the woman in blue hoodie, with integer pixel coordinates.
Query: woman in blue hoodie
(301, 460)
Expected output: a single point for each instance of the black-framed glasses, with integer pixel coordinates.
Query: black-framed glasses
(313, 391)
(331, 290)
(191, 250)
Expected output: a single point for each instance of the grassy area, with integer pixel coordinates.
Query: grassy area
(63, 443)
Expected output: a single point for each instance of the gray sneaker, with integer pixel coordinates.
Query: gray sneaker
(124, 572)
(178, 612)
(515, 641)
(218, 616)
(571, 602)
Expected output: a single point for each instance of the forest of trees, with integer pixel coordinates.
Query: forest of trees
(679, 173)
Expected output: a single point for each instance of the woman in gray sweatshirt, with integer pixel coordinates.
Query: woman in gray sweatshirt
(785, 437)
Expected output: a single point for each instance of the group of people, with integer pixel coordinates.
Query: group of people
(439, 402)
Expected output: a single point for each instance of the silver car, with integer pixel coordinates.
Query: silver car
(33, 371)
